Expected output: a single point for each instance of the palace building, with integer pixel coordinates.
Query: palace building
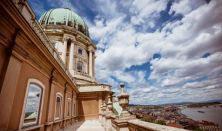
(47, 74)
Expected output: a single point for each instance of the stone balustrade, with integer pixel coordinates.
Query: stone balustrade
(124, 121)
(138, 125)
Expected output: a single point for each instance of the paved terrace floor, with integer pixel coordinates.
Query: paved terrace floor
(88, 125)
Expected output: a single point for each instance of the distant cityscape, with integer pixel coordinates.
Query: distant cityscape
(171, 115)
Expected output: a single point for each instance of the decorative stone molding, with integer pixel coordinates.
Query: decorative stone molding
(104, 113)
(66, 38)
(109, 107)
(94, 88)
(73, 39)
(91, 49)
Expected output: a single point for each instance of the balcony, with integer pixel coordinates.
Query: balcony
(88, 125)
(133, 125)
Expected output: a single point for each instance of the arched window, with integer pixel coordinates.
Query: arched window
(68, 107)
(80, 66)
(32, 104)
(58, 106)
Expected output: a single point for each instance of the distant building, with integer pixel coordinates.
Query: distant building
(175, 125)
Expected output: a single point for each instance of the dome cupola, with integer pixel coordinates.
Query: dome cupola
(64, 16)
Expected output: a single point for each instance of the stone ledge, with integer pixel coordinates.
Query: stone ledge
(152, 126)
(94, 88)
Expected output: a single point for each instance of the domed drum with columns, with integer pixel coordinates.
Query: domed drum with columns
(70, 36)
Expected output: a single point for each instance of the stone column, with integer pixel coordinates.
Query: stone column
(94, 57)
(90, 63)
(64, 50)
(71, 58)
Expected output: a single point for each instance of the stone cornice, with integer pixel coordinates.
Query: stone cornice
(67, 30)
(94, 88)
(71, 31)
(91, 49)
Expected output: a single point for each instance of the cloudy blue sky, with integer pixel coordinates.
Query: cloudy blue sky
(165, 51)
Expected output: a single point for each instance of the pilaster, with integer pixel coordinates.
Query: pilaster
(8, 91)
(71, 59)
(64, 50)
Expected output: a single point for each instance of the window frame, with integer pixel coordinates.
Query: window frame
(58, 94)
(69, 107)
(37, 122)
(80, 54)
(74, 107)
(82, 66)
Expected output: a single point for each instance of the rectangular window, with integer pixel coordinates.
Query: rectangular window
(33, 103)
(68, 109)
(79, 66)
(74, 109)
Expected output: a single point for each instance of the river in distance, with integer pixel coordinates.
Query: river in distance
(211, 113)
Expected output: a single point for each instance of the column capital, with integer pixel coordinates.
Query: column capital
(66, 38)
(91, 49)
(73, 39)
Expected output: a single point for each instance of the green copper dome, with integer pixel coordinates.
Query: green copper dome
(64, 16)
